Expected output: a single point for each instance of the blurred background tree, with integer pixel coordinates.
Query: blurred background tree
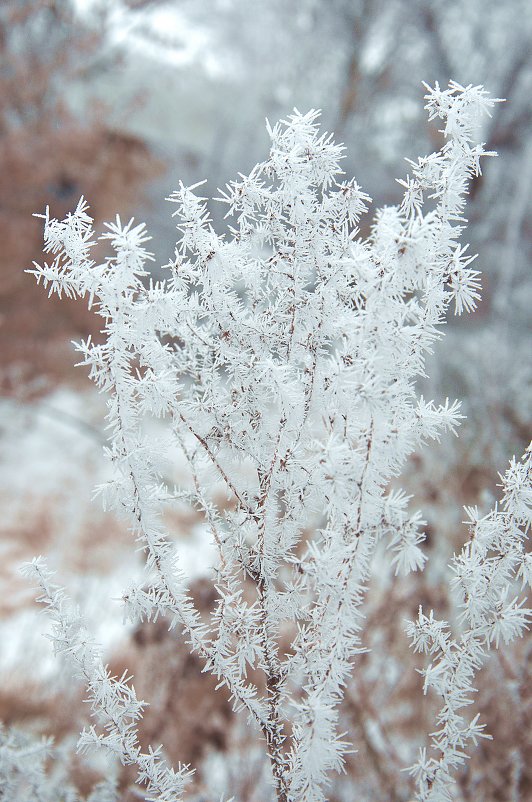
(50, 155)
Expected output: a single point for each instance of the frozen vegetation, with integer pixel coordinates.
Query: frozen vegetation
(283, 358)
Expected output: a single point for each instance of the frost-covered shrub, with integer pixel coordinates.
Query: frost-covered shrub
(283, 357)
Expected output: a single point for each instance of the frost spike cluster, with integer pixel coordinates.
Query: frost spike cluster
(24, 778)
(113, 699)
(485, 574)
(284, 357)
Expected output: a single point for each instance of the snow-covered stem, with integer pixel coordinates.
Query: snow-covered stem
(284, 357)
(113, 699)
(485, 574)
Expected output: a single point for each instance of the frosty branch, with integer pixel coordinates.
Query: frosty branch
(485, 573)
(284, 357)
